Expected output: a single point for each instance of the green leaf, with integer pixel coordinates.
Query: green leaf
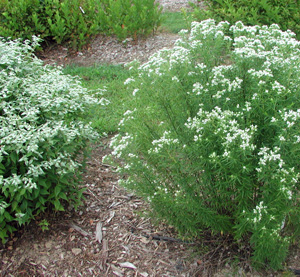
(42, 200)
(22, 191)
(36, 193)
(8, 216)
(2, 168)
(58, 206)
(14, 205)
(24, 206)
(57, 190)
(62, 195)
(14, 157)
(44, 192)
(38, 205)
(43, 183)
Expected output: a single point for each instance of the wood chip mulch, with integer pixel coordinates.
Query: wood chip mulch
(108, 236)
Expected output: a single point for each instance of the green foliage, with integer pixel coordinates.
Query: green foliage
(175, 21)
(77, 21)
(285, 13)
(213, 139)
(44, 224)
(110, 79)
(133, 17)
(41, 135)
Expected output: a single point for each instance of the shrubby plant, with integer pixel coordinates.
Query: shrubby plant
(62, 21)
(77, 21)
(213, 141)
(41, 134)
(285, 13)
(133, 18)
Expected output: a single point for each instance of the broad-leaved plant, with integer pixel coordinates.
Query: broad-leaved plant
(41, 134)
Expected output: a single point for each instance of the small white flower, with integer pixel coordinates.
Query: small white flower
(174, 78)
(128, 81)
(135, 91)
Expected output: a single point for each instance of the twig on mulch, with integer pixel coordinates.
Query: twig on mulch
(80, 230)
(104, 254)
(156, 237)
(88, 191)
(163, 238)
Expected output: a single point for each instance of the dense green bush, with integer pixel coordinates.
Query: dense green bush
(41, 136)
(285, 13)
(133, 17)
(77, 20)
(213, 141)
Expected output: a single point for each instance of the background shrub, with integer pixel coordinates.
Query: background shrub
(285, 13)
(213, 141)
(77, 21)
(133, 17)
(41, 135)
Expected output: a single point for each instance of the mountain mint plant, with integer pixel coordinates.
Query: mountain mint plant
(41, 134)
(214, 139)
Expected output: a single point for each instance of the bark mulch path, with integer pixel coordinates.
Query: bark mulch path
(108, 236)
(111, 236)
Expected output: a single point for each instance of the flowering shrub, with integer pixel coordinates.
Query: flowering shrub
(40, 136)
(214, 139)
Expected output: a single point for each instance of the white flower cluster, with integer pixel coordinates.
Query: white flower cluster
(202, 30)
(227, 128)
(290, 117)
(120, 143)
(165, 140)
(259, 211)
(36, 105)
(128, 81)
(128, 115)
(226, 85)
(270, 155)
(285, 177)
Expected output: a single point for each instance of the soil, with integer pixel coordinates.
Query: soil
(108, 50)
(111, 234)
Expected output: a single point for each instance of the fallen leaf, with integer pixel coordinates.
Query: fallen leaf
(76, 251)
(99, 232)
(118, 274)
(116, 270)
(112, 214)
(104, 254)
(78, 229)
(145, 240)
(48, 244)
(127, 265)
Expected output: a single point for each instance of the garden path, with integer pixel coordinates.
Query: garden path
(108, 50)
